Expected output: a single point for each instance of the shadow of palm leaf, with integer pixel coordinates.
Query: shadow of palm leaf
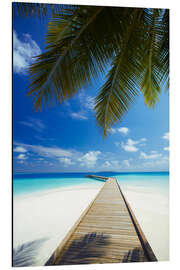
(134, 255)
(83, 250)
(25, 254)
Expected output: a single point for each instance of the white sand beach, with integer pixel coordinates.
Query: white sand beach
(151, 208)
(48, 216)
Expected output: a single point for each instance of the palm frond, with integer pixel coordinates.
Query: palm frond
(155, 54)
(77, 50)
(121, 87)
(37, 9)
(82, 40)
(30, 9)
(164, 50)
(52, 74)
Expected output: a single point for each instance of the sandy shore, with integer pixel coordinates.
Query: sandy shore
(47, 217)
(43, 219)
(151, 208)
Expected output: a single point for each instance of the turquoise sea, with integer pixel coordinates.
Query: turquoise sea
(29, 183)
(33, 243)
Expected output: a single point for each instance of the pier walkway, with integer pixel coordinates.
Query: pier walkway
(107, 232)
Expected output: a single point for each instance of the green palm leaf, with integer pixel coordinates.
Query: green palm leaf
(30, 9)
(83, 40)
(153, 61)
(121, 87)
(37, 9)
(164, 50)
(76, 52)
(52, 74)
(141, 65)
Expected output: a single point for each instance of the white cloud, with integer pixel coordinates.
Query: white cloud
(22, 157)
(129, 148)
(79, 115)
(106, 164)
(20, 161)
(115, 163)
(143, 140)
(89, 159)
(86, 104)
(66, 161)
(153, 152)
(89, 103)
(86, 101)
(51, 151)
(123, 130)
(152, 155)
(113, 130)
(23, 52)
(20, 149)
(34, 123)
(126, 163)
(44, 151)
(131, 145)
(161, 163)
(57, 154)
(166, 136)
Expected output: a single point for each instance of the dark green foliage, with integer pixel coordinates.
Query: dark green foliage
(83, 40)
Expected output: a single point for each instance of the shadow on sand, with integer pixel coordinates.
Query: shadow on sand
(25, 254)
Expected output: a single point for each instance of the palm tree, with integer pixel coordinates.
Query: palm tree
(82, 41)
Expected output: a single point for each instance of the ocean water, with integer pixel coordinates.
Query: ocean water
(148, 182)
(30, 183)
(37, 220)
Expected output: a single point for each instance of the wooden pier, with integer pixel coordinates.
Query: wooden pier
(107, 232)
(97, 177)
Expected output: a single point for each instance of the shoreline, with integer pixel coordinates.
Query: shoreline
(44, 192)
(49, 215)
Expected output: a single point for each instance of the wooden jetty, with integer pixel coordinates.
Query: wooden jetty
(97, 177)
(107, 232)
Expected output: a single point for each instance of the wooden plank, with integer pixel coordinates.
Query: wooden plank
(150, 254)
(106, 232)
(97, 177)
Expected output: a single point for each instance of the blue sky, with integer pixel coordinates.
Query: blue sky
(66, 138)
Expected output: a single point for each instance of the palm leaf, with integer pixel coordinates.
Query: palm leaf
(77, 50)
(140, 65)
(118, 92)
(153, 60)
(83, 40)
(30, 9)
(37, 9)
(164, 50)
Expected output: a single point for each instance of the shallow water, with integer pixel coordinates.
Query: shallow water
(23, 184)
(42, 201)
